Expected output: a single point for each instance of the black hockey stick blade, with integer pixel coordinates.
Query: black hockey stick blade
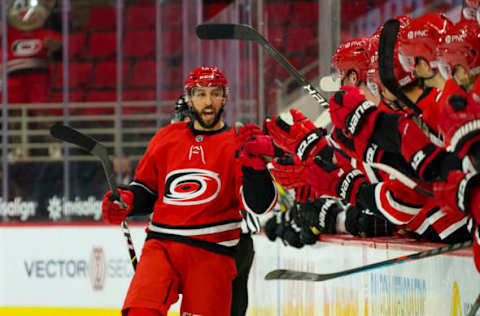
(229, 31)
(70, 135)
(284, 274)
(247, 33)
(386, 51)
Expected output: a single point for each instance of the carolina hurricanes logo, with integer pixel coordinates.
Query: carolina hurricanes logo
(26, 47)
(191, 187)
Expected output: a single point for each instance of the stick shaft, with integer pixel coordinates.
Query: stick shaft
(89, 144)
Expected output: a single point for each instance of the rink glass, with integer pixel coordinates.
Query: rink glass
(122, 67)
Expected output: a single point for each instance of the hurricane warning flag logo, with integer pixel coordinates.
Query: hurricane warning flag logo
(191, 187)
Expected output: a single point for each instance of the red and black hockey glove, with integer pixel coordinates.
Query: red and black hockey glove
(253, 146)
(461, 191)
(460, 123)
(326, 178)
(295, 133)
(289, 171)
(350, 110)
(320, 215)
(112, 212)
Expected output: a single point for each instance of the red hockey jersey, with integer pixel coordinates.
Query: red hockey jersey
(197, 182)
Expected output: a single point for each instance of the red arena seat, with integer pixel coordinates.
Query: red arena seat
(102, 19)
(139, 44)
(140, 17)
(79, 74)
(299, 38)
(305, 13)
(106, 74)
(144, 74)
(277, 13)
(102, 45)
(76, 45)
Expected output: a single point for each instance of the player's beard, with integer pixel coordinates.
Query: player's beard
(197, 116)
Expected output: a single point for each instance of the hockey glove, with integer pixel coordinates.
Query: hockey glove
(327, 178)
(289, 172)
(320, 216)
(364, 223)
(112, 212)
(461, 191)
(300, 137)
(349, 110)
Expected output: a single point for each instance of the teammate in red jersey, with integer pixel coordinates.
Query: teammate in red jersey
(190, 178)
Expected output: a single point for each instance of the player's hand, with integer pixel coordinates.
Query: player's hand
(289, 172)
(320, 215)
(326, 178)
(295, 134)
(461, 191)
(259, 145)
(112, 212)
(348, 109)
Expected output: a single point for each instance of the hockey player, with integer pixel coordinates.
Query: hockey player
(250, 225)
(191, 180)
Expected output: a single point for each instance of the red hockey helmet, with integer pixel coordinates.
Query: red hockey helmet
(207, 76)
(352, 55)
(420, 39)
(461, 47)
(373, 79)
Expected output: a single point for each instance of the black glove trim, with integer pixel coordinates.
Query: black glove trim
(354, 121)
(421, 157)
(464, 189)
(308, 142)
(345, 186)
(463, 134)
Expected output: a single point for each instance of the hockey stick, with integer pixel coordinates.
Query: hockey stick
(247, 33)
(283, 274)
(386, 51)
(401, 177)
(70, 135)
(475, 307)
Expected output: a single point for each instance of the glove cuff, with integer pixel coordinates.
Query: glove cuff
(348, 185)
(464, 189)
(308, 142)
(354, 120)
(327, 217)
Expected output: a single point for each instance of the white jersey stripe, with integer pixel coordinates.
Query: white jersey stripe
(195, 231)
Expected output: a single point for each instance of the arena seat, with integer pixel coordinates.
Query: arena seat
(170, 14)
(76, 45)
(305, 13)
(79, 74)
(102, 19)
(139, 94)
(140, 17)
(102, 45)
(172, 42)
(73, 96)
(299, 38)
(105, 74)
(139, 44)
(276, 36)
(277, 13)
(144, 74)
